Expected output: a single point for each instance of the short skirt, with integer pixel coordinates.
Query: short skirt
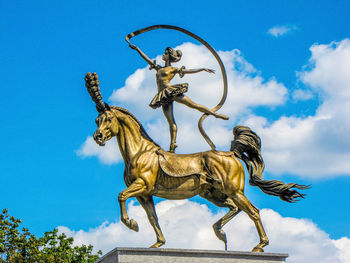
(167, 95)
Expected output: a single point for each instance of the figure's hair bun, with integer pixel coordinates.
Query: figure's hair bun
(174, 56)
(179, 53)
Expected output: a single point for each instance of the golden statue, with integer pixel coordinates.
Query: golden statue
(214, 175)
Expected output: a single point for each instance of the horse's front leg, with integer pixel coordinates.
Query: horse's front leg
(134, 190)
(148, 204)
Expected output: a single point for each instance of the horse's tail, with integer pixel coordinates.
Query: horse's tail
(246, 146)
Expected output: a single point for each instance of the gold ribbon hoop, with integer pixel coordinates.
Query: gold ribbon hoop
(213, 52)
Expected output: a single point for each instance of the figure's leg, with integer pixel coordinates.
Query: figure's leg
(189, 103)
(169, 115)
(135, 189)
(243, 203)
(148, 205)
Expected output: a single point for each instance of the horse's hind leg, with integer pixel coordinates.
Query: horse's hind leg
(148, 204)
(234, 210)
(221, 200)
(243, 203)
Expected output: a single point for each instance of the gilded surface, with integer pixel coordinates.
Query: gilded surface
(216, 176)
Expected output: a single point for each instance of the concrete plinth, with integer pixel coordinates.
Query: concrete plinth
(167, 255)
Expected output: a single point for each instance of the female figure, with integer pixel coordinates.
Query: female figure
(167, 93)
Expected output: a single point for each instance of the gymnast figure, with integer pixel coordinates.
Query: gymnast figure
(167, 92)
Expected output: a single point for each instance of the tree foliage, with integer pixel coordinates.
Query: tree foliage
(20, 246)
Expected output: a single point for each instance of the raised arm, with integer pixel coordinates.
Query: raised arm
(150, 62)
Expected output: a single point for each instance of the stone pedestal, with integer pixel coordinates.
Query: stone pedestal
(167, 255)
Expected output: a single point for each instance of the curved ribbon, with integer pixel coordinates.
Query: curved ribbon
(213, 52)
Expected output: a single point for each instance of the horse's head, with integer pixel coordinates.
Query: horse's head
(107, 127)
(107, 123)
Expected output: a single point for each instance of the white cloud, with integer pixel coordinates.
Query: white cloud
(247, 89)
(302, 95)
(301, 238)
(108, 154)
(281, 30)
(316, 145)
(343, 245)
(330, 73)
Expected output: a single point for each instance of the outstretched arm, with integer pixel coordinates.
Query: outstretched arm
(150, 62)
(191, 71)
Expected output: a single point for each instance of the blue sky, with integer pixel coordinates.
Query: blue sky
(49, 179)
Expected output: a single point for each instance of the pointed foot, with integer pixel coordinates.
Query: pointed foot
(158, 244)
(222, 116)
(172, 148)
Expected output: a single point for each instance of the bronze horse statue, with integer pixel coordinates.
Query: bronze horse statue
(214, 175)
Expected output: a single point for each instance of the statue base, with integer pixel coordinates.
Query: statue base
(168, 255)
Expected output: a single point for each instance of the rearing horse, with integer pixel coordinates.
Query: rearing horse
(216, 176)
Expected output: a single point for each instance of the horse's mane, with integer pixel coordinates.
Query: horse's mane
(142, 130)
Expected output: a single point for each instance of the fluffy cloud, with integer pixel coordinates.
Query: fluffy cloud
(278, 31)
(108, 154)
(291, 144)
(247, 89)
(315, 145)
(302, 95)
(301, 238)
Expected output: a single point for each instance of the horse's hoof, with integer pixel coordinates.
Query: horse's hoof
(220, 234)
(133, 225)
(257, 249)
(158, 244)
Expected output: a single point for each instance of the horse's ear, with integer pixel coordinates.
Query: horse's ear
(107, 106)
